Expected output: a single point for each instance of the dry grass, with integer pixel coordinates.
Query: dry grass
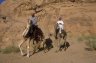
(90, 41)
(10, 49)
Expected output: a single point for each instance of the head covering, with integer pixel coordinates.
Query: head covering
(33, 15)
(60, 18)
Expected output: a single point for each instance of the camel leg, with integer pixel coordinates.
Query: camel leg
(60, 31)
(28, 48)
(38, 46)
(59, 43)
(21, 45)
(34, 46)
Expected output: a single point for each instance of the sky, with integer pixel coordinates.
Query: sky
(1, 1)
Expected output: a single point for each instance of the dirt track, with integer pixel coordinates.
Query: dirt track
(76, 53)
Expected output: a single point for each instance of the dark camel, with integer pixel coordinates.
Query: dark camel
(34, 33)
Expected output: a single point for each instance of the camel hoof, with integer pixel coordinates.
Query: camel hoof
(23, 54)
(28, 56)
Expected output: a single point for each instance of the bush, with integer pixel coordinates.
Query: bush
(80, 39)
(90, 41)
(10, 49)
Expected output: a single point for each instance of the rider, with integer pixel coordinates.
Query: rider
(60, 24)
(33, 21)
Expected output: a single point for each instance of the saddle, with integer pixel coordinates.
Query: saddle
(29, 30)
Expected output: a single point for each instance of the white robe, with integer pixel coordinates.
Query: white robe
(60, 24)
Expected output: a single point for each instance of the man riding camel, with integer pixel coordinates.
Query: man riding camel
(33, 20)
(32, 23)
(60, 24)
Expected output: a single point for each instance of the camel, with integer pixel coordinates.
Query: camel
(60, 34)
(32, 33)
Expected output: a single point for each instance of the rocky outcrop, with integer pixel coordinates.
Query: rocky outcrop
(79, 20)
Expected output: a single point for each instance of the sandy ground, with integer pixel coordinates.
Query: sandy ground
(76, 53)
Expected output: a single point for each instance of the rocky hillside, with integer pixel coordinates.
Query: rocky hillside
(79, 18)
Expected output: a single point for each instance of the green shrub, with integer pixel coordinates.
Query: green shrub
(80, 39)
(10, 49)
(90, 40)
